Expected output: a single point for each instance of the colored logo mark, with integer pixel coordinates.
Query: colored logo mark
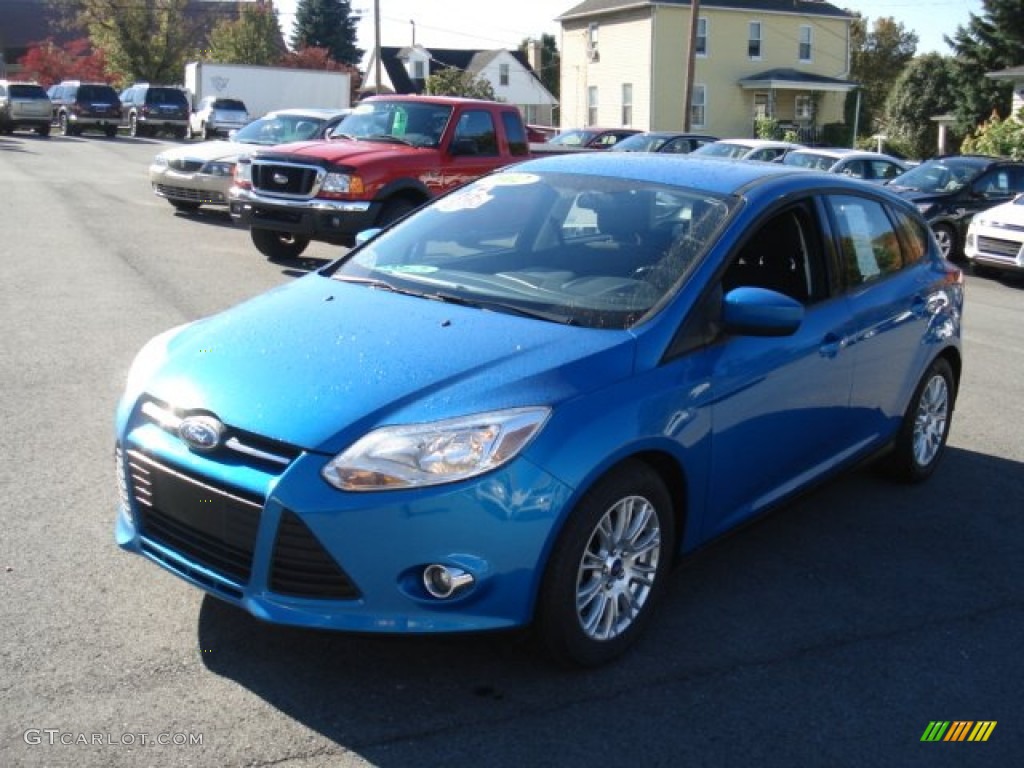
(958, 730)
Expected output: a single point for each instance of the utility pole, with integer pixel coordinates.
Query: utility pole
(691, 59)
(376, 43)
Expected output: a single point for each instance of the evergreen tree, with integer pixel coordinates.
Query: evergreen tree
(926, 88)
(327, 24)
(988, 43)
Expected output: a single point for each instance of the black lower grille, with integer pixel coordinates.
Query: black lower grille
(999, 247)
(214, 527)
(303, 568)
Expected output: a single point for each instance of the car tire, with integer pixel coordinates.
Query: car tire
(921, 440)
(111, 131)
(946, 238)
(608, 568)
(278, 246)
(185, 206)
(64, 124)
(207, 133)
(980, 270)
(181, 133)
(43, 130)
(134, 129)
(189, 135)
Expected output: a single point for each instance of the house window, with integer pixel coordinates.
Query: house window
(754, 40)
(627, 103)
(702, 36)
(503, 74)
(531, 113)
(698, 106)
(592, 105)
(592, 41)
(805, 43)
(804, 107)
(762, 106)
(418, 71)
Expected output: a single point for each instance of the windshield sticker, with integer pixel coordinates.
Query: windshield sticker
(465, 200)
(408, 269)
(512, 179)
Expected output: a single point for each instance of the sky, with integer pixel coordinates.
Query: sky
(485, 24)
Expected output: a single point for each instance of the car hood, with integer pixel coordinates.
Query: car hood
(1011, 214)
(209, 150)
(341, 151)
(318, 363)
(916, 195)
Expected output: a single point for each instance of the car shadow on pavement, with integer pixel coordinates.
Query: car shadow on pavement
(211, 216)
(830, 632)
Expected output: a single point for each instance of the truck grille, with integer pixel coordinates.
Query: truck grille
(286, 179)
(212, 526)
(998, 247)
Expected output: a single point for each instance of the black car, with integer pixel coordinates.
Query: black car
(79, 107)
(146, 110)
(950, 190)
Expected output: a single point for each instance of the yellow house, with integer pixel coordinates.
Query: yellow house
(625, 63)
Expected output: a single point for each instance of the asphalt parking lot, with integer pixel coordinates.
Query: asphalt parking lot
(831, 633)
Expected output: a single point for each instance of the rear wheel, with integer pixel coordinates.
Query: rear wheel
(111, 131)
(188, 131)
(946, 238)
(43, 130)
(181, 133)
(278, 246)
(134, 129)
(64, 124)
(207, 133)
(608, 568)
(922, 437)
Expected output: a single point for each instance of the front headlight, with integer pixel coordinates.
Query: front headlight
(342, 184)
(417, 455)
(219, 168)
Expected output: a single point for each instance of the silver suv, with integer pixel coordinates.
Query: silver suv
(217, 115)
(24, 105)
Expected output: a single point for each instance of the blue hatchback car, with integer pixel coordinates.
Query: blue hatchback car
(523, 402)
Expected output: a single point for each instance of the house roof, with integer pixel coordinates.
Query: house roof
(795, 79)
(472, 61)
(589, 8)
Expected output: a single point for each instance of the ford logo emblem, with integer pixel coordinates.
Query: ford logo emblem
(280, 178)
(201, 432)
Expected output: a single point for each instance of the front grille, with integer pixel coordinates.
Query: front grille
(214, 527)
(185, 164)
(285, 179)
(998, 247)
(191, 195)
(302, 567)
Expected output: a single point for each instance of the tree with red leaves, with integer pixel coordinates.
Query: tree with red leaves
(48, 63)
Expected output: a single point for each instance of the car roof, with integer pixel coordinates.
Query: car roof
(844, 152)
(717, 175)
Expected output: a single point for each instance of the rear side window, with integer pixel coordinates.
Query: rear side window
(516, 134)
(869, 245)
(97, 93)
(233, 104)
(166, 96)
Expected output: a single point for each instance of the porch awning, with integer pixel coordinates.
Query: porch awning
(794, 80)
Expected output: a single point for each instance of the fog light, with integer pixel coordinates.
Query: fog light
(443, 582)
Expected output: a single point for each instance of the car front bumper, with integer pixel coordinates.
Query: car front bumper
(996, 246)
(190, 187)
(333, 221)
(290, 549)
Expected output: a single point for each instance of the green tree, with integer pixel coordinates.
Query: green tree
(254, 38)
(877, 56)
(550, 62)
(327, 24)
(925, 89)
(143, 39)
(456, 82)
(989, 42)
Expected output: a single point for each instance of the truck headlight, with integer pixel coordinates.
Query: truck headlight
(342, 184)
(417, 455)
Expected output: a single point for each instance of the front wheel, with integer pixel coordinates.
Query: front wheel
(278, 246)
(608, 568)
(394, 210)
(922, 437)
(946, 238)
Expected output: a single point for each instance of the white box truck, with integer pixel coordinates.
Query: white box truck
(264, 89)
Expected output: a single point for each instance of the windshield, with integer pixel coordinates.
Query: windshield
(809, 160)
(639, 143)
(949, 175)
(722, 149)
(401, 122)
(575, 249)
(280, 129)
(233, 105)
(572, 138)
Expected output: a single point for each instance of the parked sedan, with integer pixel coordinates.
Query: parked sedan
(669, 142)
(765, 150)
(949, 191)
(591, 138)
(201, 174)
(995, 239)
(522, 402)
(870, 166)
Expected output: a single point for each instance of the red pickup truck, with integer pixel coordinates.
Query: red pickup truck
(389, 156)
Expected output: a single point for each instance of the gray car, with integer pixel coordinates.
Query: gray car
(24, 105)
(217, 116)
(870, 166)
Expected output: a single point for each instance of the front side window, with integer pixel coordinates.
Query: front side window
(804, 51)
(869, 246)
(477, 126)
(754, 40)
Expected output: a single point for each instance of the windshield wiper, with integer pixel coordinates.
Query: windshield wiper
(388, 138)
